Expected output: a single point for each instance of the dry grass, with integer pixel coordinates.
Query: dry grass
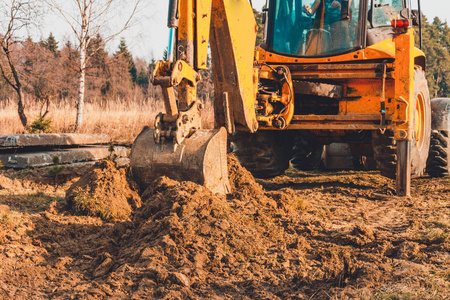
(121, 120)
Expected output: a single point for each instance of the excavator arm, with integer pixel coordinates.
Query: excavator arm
(178, 146)
(233, 36)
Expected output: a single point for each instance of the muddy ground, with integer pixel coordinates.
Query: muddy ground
(304, 235)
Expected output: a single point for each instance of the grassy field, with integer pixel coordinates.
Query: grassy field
(121, 120)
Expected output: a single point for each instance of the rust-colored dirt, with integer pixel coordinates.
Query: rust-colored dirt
(298, 236)
(103, 191)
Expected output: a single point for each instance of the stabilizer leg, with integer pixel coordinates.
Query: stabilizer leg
(403, 168)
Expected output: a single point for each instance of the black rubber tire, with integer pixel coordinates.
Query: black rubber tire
(385, 146)
(306, 152)
(265, 154)
(362, 156)
(385, 152)
(438, 164)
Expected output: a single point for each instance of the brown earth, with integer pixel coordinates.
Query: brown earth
(303, 235)
(103, 191)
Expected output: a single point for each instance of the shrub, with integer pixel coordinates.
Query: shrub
(40, 125)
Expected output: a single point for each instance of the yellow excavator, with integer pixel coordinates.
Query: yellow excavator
(327, 71)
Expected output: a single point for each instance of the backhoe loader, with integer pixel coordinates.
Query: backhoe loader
(328, 71)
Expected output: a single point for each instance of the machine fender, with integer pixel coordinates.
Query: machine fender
(420, 58)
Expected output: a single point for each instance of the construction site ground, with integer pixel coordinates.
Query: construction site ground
(303, 235)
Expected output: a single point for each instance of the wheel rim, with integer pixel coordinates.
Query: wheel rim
(419, 121)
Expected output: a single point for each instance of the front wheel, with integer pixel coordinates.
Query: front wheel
(265, 154)
(385, 146)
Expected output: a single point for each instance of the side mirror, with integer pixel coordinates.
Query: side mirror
(264, 16)
(405, 13)
(415, 17)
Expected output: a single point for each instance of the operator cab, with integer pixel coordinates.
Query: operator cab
(314, 28)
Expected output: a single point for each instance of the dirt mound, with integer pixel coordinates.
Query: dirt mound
(104, 191)
(191, 243)
(240, 178)
(5, 183)
(184, 235)
(8, 184)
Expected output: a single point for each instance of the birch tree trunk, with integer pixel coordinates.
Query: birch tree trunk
(81, 91)
(93, 16)
(83, 56)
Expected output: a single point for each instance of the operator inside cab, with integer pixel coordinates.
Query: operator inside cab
(315, 27)
(331, 25)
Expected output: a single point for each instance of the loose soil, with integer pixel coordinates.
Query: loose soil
(303, 235)
(104, 191)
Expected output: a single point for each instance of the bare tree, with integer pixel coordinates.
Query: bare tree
(16, 16)
(88, 19)
(41, 72)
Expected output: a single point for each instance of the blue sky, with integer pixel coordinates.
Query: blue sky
(150, 36)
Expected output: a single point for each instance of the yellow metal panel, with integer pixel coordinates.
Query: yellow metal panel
(384, 49)
(185, 43)
(232, 46)
(418, 52)
(404, 85)
(370, 92)
(203, 18)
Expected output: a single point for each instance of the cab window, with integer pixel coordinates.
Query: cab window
(315, 27)
(384, 11)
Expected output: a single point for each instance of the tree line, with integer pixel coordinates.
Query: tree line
(87, 19)
(436, 46)
(49, 71)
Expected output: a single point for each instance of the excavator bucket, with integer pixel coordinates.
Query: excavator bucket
(201, 158)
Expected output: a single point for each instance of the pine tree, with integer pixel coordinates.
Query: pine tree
(166, 54)
(125, 53)
(51, 44)
(142, 79)
(436, 45)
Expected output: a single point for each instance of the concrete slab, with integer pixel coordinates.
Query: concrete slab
(52, 139)
(66, 156)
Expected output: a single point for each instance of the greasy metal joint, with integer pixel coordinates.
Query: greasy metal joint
(182, 70)
(402, 134)
(178, 127)
(279, 123)
(267, 115)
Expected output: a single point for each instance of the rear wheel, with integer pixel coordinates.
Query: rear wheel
(306, 152)
(264, 153)
(362, 156)
(438, 161)
(385, 146)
